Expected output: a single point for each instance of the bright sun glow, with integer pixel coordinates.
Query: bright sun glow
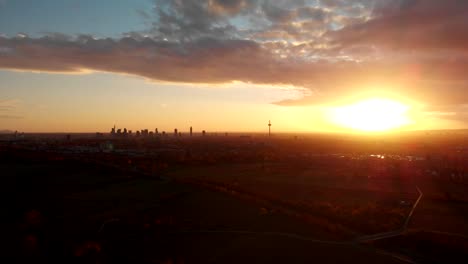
(371, 115)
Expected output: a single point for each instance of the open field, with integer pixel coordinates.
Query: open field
(57, 215)
(440, 215)
(359, 204)
(428, 247)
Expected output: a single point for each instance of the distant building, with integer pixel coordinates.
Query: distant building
(175, 132)
(107, 146)
(203, 133)
(191, 131)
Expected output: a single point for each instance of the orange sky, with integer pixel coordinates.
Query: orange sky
(229, 65)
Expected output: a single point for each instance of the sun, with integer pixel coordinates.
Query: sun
(372, 115)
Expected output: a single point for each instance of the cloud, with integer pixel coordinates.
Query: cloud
(209, 60)
(452, 112)
(205, 60)
(11, 117)
(191, 19)
(429, 25)
(229, 7)
(9, 104)
(8, 109)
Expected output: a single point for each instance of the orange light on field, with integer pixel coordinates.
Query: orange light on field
(371, 115)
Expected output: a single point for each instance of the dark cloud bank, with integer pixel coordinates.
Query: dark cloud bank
(330, 48)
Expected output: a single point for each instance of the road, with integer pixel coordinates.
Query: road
(394, 233)
(352, 243)
(357, 242)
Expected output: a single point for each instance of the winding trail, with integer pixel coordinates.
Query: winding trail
(357, 242)
(393, 233)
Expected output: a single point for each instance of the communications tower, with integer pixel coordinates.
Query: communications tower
(269, 128)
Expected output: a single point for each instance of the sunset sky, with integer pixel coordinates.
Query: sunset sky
(230, 65)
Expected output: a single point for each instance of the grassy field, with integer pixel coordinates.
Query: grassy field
(441, 215)
(57, 210)
(221, 248)
(428, 247)
(360, 204)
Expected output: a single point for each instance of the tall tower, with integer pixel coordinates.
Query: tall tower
(191, 131)
(269, 128)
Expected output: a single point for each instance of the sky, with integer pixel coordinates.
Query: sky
(228, 65)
